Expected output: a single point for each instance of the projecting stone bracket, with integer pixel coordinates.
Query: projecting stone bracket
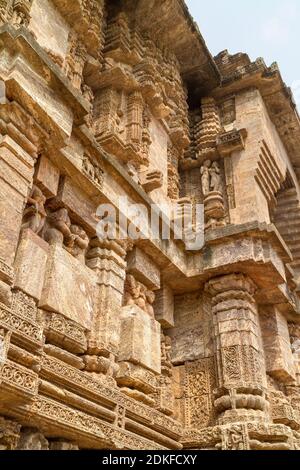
(231, 141)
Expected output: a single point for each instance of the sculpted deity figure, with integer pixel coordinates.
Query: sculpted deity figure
(215, 178)
(78, 243)
(58, 228)
(131, 293)
(205, 177)
(137, 293)
(35, 214)
(166, 350)
(88, 166)
(211, 178)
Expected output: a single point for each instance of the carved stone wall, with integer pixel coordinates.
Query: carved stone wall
(144, 344)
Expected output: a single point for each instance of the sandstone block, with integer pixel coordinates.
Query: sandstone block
(164, 306)
(140, 339)
(30, 264)
(144, 269)
(69, 287)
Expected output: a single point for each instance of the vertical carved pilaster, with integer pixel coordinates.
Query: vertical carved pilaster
(238, 349)
(106, 258)
(135, 119)
(105, 112)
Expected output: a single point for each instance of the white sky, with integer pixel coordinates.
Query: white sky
(261, 28)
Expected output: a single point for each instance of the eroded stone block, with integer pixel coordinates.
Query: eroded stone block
(69, 287)
(164, 306)
(277, 346)
(140, 339)
(144, 269)
(30, 264)
(47, 176)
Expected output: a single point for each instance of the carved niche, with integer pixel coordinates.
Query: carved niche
(93, 170)
(213, 194)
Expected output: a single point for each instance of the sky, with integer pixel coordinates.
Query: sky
(261, 28)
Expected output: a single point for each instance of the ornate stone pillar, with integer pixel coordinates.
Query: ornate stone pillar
(241, 375)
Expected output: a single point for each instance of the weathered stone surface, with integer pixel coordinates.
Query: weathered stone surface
(144, 343)
(68, 287)
(277, 345)
(164, 306)
(143, 268)
(47, 176)
(140, 339)
(30, 264)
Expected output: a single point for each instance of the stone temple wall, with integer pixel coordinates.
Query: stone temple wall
(144, 344)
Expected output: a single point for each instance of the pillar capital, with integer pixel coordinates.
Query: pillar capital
(230, 282)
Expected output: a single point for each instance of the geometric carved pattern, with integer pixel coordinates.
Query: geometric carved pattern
(23, 328)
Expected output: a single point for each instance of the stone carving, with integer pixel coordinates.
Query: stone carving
(34, 216)
(239, 364)
(212, 190)
(79, 243)
(139, 344)
(75, 60)
(137, 293)
(173, 173)
(21, 12)
(199, 386)
(211, 178)
(65, 332)
(24, 305)
(93, 171)
(23, 328)
(9, 434)
(31, 439)
(235, 438)
(4, 345)
(5, 294)
(57, 229)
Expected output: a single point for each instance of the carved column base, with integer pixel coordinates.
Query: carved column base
(214, 210)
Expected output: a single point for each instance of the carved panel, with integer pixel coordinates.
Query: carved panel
(199, 385)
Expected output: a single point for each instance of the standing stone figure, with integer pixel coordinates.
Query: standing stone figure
(211, 178)
(35, 214)
(215, 178)
(79, 244)
(205, 177)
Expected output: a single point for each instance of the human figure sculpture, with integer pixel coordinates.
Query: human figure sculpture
(88, 167)
(205, 177)
(130, 290)
(58, 228)
(211, 178)
(78, 243)
(137, 293)
(35, 215)
(215, 178)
